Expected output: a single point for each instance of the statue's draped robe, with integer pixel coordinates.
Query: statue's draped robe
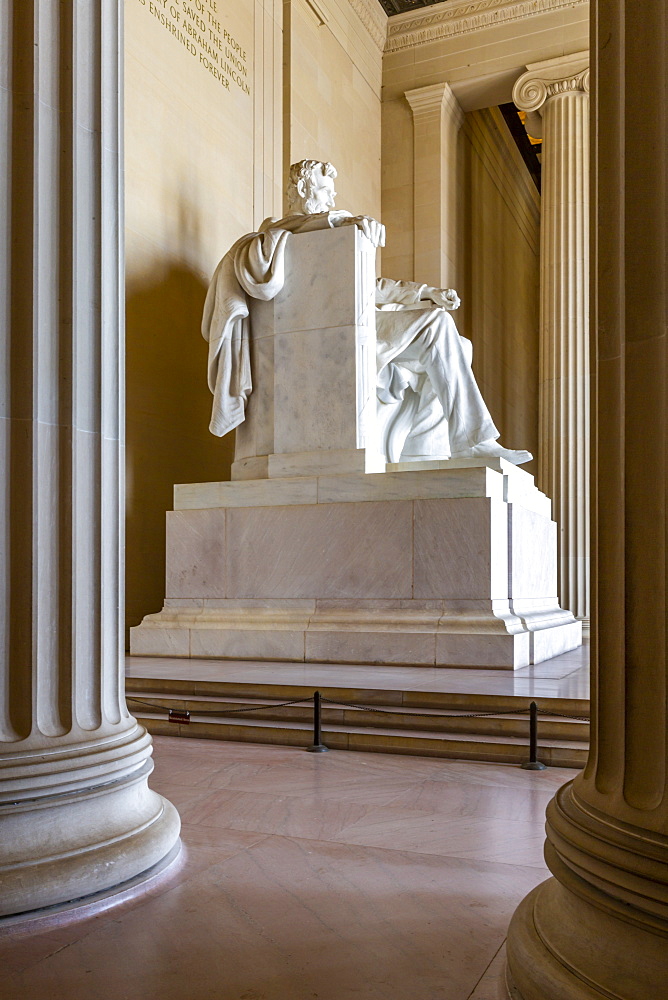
(253, 267)
(429, 403)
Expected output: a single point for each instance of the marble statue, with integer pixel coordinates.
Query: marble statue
(429, 404)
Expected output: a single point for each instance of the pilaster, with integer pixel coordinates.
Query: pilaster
(437, 119)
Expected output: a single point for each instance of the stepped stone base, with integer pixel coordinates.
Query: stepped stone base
(450, 565)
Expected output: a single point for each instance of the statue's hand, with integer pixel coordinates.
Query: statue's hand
(373, 230)
(447, 298)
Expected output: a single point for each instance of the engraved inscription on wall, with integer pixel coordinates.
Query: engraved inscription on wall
(198, 26)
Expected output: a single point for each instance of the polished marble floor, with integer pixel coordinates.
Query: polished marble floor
(304, 876)
(564, 676)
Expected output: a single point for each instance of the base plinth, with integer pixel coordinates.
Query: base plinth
(87, 840)
(560, 947)
(599, 928)
(445, 566)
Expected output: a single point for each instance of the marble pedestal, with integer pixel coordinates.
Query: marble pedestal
(451, 564)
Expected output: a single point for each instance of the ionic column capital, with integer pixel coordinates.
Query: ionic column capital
(547, 79)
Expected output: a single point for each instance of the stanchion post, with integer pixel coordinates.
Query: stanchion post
(533, 764)
(317, 746)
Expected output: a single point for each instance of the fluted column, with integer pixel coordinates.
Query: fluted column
(555, 95)
(76, 814)
(437, 119)
(599, 928)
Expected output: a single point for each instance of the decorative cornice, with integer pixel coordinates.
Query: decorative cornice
(547, 79)
(456, 18)
(374, 19)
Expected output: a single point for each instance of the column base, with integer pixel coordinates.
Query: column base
(96, 902)
(69, 846)
(599, 929)
(562, 948)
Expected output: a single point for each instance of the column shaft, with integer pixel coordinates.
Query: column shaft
(629, 593)
(600, 927)
(76, 814)
(564, 346)
(559, 89)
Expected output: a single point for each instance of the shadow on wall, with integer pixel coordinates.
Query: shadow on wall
(168, 408)
(500, 283)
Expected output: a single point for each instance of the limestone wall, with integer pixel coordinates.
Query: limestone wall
(499, 275)
(220, 97)
(203, 166)
(479, 55)
(207, 124)
(332, 87)
(496, 218)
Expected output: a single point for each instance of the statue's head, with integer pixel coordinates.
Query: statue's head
(311, 187)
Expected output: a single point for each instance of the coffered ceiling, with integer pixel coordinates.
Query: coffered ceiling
(404, 6)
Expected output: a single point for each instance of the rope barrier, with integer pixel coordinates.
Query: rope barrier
(429, 715)
(217, 711)
(361, 708)
(564, 715)
(182, 716)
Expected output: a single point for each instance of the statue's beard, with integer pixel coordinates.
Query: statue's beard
(303, 206)
(310, 206)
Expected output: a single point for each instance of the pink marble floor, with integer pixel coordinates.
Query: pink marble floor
(307, 877)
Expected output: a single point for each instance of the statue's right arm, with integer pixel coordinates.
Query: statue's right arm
(321, 220)
(300, 223)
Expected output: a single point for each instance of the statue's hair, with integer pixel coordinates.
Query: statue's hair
(305, 171)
